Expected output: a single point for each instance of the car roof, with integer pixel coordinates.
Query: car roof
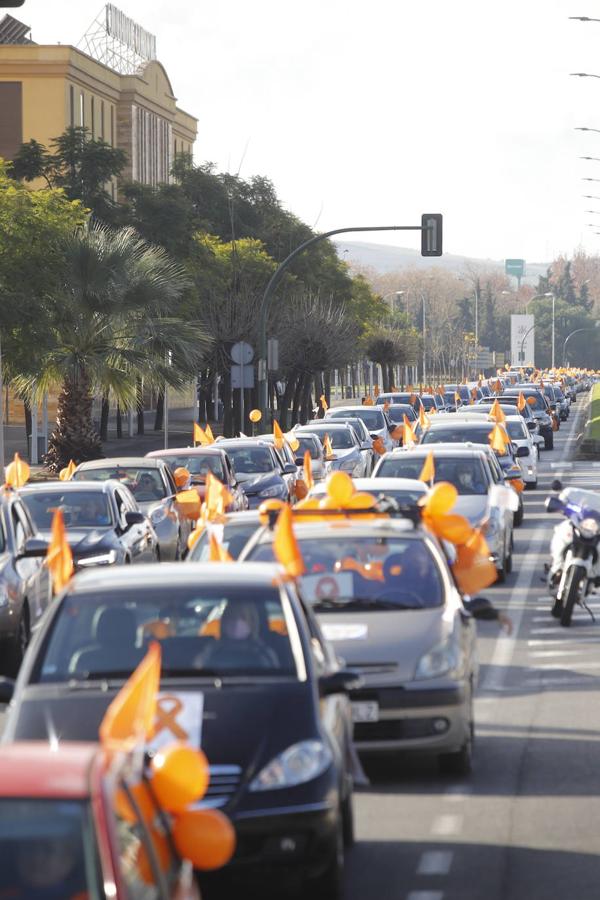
(361, 528)
(33, 769)
(66, 487)
(243, 442)
(326, 423)
(446, 450)
(449, 421)
(114, 462)
(355, 406)
(173, 575)
(382, 484)
(185, 451)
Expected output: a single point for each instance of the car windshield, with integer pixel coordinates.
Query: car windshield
(371, 572)
(197, 464)
(251, 460)
(233, 536)
(47, 849)
(428, 403)
(201, 629)
(517, 431)
(307, 444)
(373, 418)
(144, 483)
(467, 475)
(535, 401)
(448, 434)
(399, 410)
(341, 439)
(81, 509)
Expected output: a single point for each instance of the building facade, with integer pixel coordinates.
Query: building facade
(44, 89)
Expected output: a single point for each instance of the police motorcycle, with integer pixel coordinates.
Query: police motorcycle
(574, 570)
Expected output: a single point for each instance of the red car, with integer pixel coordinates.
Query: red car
(199, 461)
(74, 826)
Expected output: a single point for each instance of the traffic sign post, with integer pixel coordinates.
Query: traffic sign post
(516, 268)
(242, 373)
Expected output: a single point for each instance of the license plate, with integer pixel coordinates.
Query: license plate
(366, 711)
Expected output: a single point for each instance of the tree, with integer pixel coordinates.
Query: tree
(110, 324)
(81, 166)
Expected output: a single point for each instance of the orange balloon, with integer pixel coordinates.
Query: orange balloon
(204, 836)
(179, 776)
(361, 500)
(163, 854)
(268, 506)
(255, 415)
(453, 528)
(301, 489)
(440, 499)
(308, 503)
(181, 476)
(339, 488)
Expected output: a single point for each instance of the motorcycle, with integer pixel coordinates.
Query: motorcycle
(575, 569)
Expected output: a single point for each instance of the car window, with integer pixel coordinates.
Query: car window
(232, 536)
(371, 572)
(47, 849)
(310, 445)
(373, 418)
(81, 509)
(467, 475)
(396, 413)
(341, 439)
(197, 464)
(517, 431)
(252, 460)
(448, 434)
(19, 530)
(222, 630)
(145, 483)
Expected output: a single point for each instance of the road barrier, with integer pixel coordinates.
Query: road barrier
(589, 446)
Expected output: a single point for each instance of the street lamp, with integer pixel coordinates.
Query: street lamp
(540, 297)
(577, 330)
(597, 130)
(583, 19)
(590, 179)
(591, 158)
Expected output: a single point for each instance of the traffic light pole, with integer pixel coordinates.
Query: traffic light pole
(430, 246)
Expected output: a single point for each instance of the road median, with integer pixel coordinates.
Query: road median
(589, 445)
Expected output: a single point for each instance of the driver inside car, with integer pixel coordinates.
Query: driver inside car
(240, 643)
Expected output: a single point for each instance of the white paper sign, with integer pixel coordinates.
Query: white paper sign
(178, 718)
(344, 631)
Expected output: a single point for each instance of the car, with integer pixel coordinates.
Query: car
(246, 673)
(199, 461)
(25, 589)
(259, 470)
(311, 443)
(433, 402)
(509, 407)
(483, 498)
(347, 449)
(363, 437)
(63, 832)
(558, 402)
(374, 417)
(104, 524)
(385, 597)
(521, 437)
(405, 491)
(394, 397)
(233, 534)
(286, 457)
(397, 411)
(540, 408)
(155, 492)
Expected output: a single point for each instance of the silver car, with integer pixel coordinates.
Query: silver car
(312, 443)
(385, 597)
(151, 483)
(375, 418)
(347, 456)
(364, 438)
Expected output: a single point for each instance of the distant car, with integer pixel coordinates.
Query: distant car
(233, 534)
(374, 417)
(508, 405)
(248, 675)
(104, 524)
(287, 460)
(312, 443)
(394, 397)
(259, 470)
(25, 589)
(199, 461)
(152, 485)
(520, 436)
(432, 401)
(365, 440)
(347, 455)
(63, 833)
(539, 406)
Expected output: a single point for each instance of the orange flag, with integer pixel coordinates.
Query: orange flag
(66, 473)
(200, 437)
(497, 413)
(217, 552)
(498, 439)
(410, 438)
(521, 402)
(129, 720)
(218, 497)
(209, 434)
(423, 419)
(278, 438)
(376, 390)
(17, 473)
(368, 401)
(428, 471)
(473, 569)
(307, 471)
(328, 448)
(292, 440)
(285, 545)
(323, 402)
(59, 557)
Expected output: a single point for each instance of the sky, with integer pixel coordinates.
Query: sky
(371, 113)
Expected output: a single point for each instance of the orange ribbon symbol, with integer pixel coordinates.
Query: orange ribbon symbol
(167, 710)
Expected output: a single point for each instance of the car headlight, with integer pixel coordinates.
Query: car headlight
(273, 491)
(101, 559)
(443, 659)
(299, 763)
(589, 527)
(158, 515)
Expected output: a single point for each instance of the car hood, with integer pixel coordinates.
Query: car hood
(474, 507)
(252, 483)
(257, 712)
(84, 541)
(385, 646)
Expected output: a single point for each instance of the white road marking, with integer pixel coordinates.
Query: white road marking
(576, 665)
(572, 681)
(550, 630)
(425, 895)
(435, 862)
(447, 825)
(541, 654)
(579, 639)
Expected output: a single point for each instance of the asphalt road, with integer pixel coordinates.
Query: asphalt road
(525, 824)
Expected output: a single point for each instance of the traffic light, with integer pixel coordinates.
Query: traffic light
(431, 234)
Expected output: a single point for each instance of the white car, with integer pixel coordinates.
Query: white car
(347, 456)
(374, 417)
(522, 437)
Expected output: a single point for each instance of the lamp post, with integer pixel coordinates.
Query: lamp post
(540, 297)
(522, 350)
(569, 336)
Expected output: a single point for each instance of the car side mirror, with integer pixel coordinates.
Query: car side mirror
(556, 485)
(522, 451)
(299, 461)
(134, 518)
(553, 504)
(375, 436)
(34, 547)
(7, 689)
(340, 682)
(531, 424)
(481, 608)
(290, 469)
(366, 445)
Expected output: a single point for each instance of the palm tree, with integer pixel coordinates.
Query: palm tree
(113, 322)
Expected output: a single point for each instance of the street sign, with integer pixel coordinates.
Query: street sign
(515, 267)
(242, 353)
(522, 340)
(242, 376)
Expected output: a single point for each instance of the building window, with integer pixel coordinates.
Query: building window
(112, 126)
(81, 110)
(102, 119)
(71, 105)
(93, 117)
